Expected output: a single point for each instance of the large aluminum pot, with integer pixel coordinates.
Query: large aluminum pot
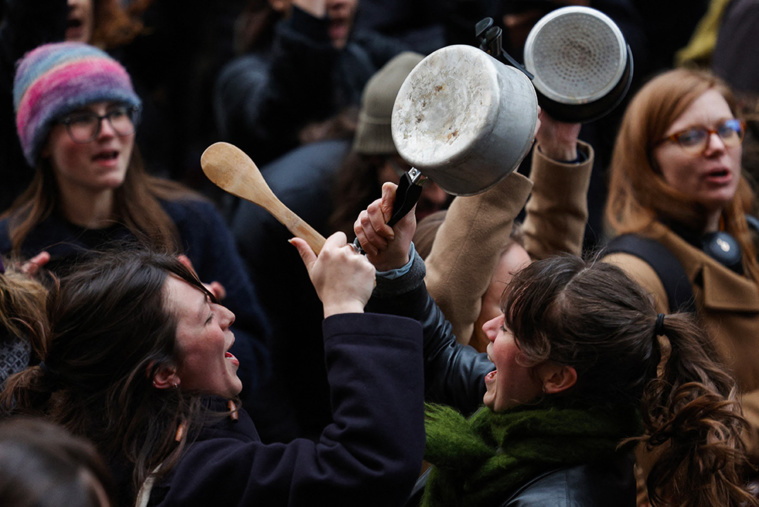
(464, 119)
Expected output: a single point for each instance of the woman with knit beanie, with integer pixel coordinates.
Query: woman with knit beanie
(76, 115)
(571, 384)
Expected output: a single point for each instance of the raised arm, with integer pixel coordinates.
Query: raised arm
(262, 100)
(558, 209)
(467, 248)
(469, 244)
(343, 279)
(453, 373)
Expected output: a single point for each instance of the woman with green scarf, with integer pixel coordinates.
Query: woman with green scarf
(580, 368)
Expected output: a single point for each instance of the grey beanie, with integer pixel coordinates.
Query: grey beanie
(373, 134)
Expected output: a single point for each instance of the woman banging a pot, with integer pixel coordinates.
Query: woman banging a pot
(574, 371)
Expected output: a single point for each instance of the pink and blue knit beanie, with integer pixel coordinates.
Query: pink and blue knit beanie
(56, 79)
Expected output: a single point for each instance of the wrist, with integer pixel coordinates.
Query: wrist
(396, 270)
(392, 265)
(564, 155)
(343, 307)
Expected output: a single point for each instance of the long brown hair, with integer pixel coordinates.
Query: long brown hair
(110, 333)
(593, 317)
(137, 205)
(638, 194)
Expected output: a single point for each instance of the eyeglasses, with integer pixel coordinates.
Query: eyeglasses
(695, 140)
(85, 127)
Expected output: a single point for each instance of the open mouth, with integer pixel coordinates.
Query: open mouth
(232, 358)
(719, 176)
(74, 23)
(721, 173)
(107, 155)
(338, 28)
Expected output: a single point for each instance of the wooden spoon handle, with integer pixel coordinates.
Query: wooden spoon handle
(233, 171)
(294, 224)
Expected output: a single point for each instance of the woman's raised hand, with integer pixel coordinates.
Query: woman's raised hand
(557, 140)
(386, 247)
(343, 278)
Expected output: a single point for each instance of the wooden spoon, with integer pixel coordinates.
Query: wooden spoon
(232, 170)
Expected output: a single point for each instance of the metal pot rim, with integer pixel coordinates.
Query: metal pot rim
(539, 80)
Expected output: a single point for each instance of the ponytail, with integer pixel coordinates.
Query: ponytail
(692, 416)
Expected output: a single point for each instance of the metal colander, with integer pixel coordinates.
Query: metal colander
(577, 54)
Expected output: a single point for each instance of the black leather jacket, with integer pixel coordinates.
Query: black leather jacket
(600, 484)
(454, 374)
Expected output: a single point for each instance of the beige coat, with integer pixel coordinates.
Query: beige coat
(476, 229)
(728, 306)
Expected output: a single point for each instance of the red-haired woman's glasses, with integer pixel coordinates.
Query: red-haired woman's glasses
(84, 127)
(694, 140)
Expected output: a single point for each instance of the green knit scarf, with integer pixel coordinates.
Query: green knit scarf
(481, 460)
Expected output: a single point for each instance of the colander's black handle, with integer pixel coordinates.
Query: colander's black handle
(406, 196)
(490, 41)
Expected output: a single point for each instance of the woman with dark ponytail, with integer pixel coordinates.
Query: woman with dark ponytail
(580, 368)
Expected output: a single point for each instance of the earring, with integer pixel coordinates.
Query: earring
(180, 432)
(174, 385)
(233, 415)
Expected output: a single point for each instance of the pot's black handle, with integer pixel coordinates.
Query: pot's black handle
(406, 196)
(490, 42)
